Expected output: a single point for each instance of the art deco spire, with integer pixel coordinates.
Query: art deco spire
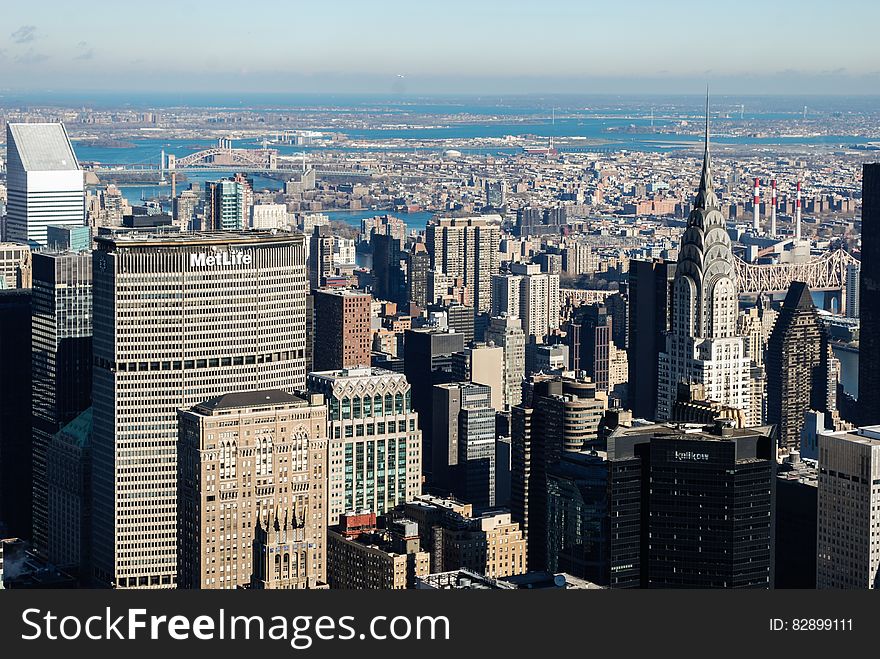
(706, 198)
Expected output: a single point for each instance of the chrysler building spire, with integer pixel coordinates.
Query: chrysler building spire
(706, 198)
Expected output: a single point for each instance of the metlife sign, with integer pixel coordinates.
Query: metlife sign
(206, 260)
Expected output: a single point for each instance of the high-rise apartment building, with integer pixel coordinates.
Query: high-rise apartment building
(506, 331)
(44, 180)
(62, 362)
(483, 364)
(418, 262)
(853, 284)
(560, 414)
(530, 294)
(848, 546)
(183, 208)
(702, 345)
(179, 320)
(794, 356)
(375, 445)
(869, 298)
(467, 248)
(342, 336)
(320, 256)
(650, 300)
(227, 204)
(245, 460)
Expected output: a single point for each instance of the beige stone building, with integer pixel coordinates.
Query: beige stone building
(491, 544)
(253, 492)
(362, 556)
(16, 267)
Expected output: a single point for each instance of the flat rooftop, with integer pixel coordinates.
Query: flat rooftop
(150, 238)
(247, 399)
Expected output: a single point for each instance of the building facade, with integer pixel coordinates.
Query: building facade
(179, 320)
(16, 266)
(342, 336)
(869, 298)
(650, 298)
(61, 354)
(467, 248)
(702, 345)
(44, 180)
(848, 546)
(248, 460)
(794, 356)
(375, 445)
(506, 331)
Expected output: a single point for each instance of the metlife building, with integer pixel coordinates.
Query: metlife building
(707, 503)
(178, 320)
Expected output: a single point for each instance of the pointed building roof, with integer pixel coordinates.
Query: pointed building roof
(706, 198)
(798, 297)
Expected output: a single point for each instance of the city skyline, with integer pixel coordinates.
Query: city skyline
(322, 48)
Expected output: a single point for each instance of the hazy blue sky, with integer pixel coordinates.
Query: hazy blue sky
(739, 46)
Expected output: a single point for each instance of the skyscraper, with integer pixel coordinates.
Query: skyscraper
(244, 460)
(179, 320)
(708, 505)
(428, 361)
(530, 294)
(702, 345)
(561, 414)
(387, 256)
(320, 261)
(467, 247)
(506, 331)
(418, 262)
(342, 337)
(869, 298)
(375, 452)
(848, 546)
(227, 204)
(44, 180)
(463, 431)
(650, 300)
(794, 355)
(594, 517)
(69, 477)
(15, 412)
(62, 361)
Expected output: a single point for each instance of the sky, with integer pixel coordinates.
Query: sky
(442, 46)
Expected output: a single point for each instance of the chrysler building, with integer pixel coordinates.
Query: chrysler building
(702, 346)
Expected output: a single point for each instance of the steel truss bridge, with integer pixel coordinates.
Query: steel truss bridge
(820, 273)
(223, 159)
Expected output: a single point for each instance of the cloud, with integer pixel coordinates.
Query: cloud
(31, 57)
(24, 34)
